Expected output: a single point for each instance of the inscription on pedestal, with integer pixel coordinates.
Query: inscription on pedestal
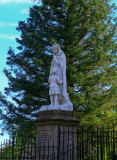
(56, 136)
(44, 135)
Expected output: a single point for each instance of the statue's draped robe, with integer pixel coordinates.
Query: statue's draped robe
(60, 66)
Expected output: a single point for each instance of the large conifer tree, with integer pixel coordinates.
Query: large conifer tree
(86, 31)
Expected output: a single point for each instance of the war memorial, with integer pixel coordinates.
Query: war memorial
(55, 121)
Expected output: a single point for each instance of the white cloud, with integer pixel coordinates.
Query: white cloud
(9, 37)
(24, 11)
(2, 24)
(5, 24)
(13, 24)
(14, 1)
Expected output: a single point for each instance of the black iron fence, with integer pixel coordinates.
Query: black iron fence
(87, 143)
(18, 150)
(97, 143)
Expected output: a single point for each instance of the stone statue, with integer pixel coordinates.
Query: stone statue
(57, 82)
(54, 91)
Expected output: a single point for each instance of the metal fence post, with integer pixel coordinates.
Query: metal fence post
(13, 150)
(58, 143)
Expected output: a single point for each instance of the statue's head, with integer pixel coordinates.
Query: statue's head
(55, 48)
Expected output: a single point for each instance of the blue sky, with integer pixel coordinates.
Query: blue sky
(11, 11)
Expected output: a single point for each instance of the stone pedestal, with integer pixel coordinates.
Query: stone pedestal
(56, 135)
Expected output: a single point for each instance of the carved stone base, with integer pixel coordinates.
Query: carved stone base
(64, 107)
(55, 134)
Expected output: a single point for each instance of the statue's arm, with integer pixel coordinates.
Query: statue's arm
(55, 60)
(59, 81)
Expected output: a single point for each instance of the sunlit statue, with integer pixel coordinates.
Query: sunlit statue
(54, 84)
(57, 81)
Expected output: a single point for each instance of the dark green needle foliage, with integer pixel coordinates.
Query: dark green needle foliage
(86, 31)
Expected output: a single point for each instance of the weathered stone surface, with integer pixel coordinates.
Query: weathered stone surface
(48, 132)
(58, 115)
(57, 82)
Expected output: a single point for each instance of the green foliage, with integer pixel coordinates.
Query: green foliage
(17, 149)
(86, 31)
